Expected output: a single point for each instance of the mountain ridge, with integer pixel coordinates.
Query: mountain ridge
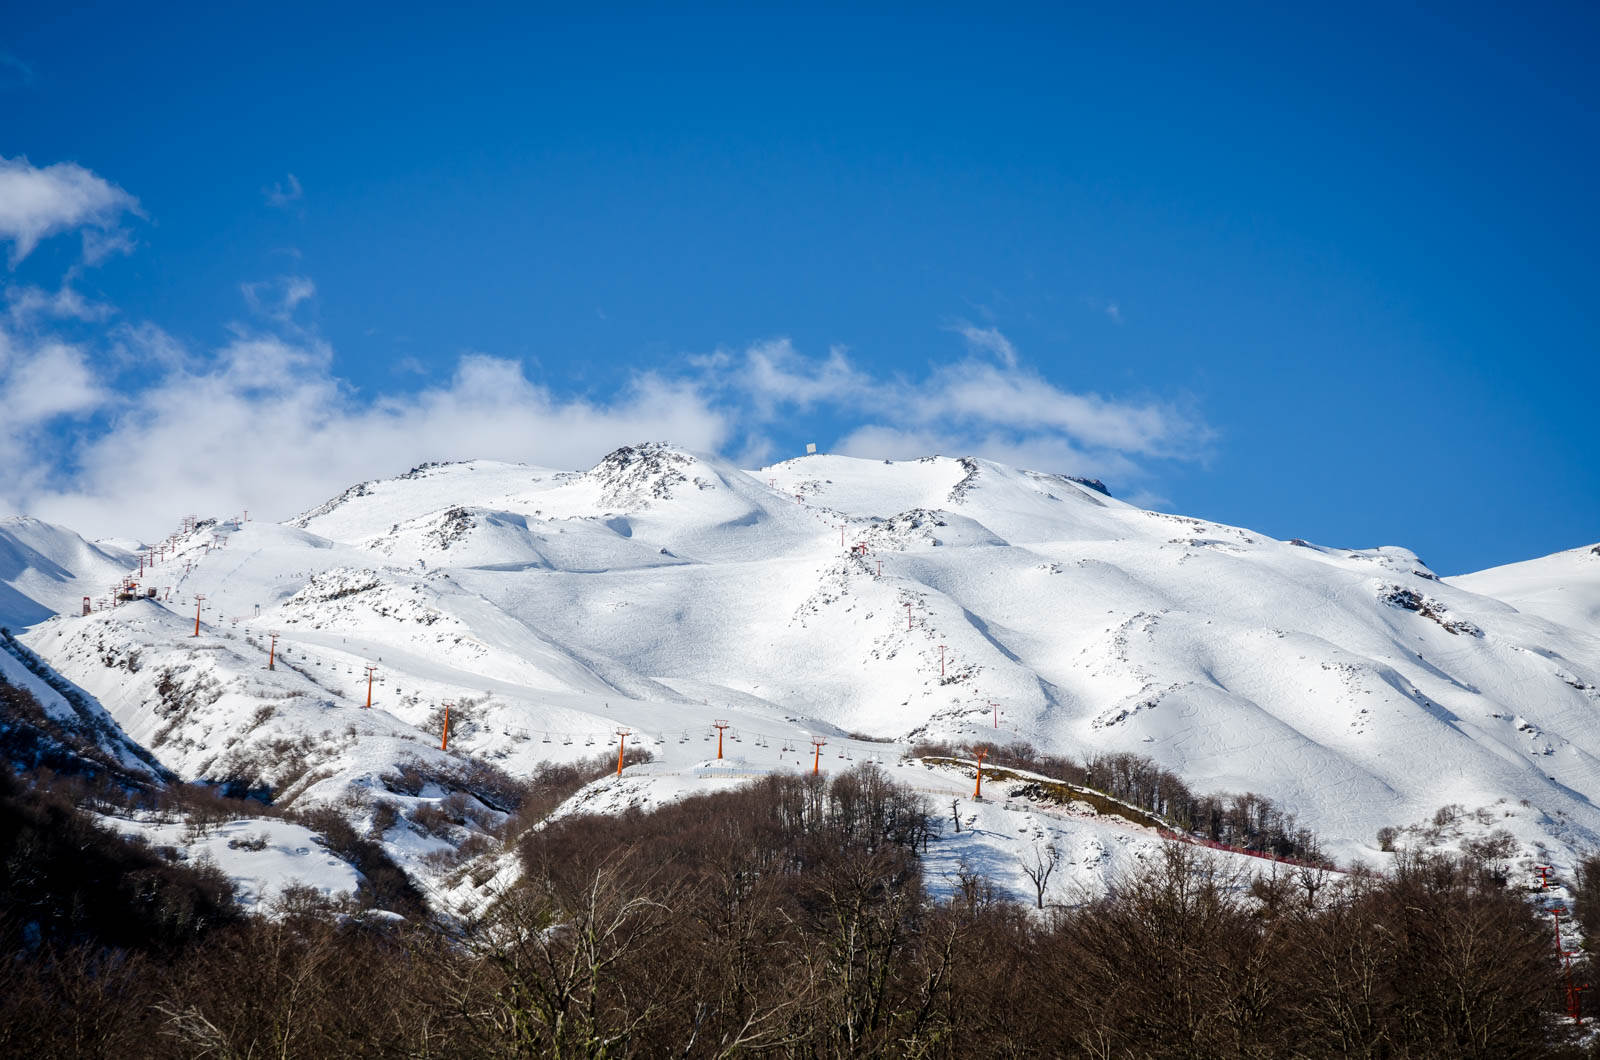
(948, 598)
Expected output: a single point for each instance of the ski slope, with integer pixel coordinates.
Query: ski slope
(47, 569)
(663, 590)
(1563, 588)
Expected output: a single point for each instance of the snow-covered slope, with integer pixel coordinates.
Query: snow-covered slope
(62, 728)
(262, 856)
(1564, 587)
(46, 569)
(663, 590)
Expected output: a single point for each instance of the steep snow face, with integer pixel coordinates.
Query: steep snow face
(1564, 587)
(662, 590)
(46, 569)
(71, 731)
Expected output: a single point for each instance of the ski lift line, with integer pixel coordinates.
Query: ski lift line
(760, 737)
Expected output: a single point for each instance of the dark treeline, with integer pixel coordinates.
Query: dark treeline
(789, 918)
(1247, 821)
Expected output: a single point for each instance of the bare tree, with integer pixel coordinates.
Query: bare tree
(973, 888)
(560, 945)
(1312, 879)
(1038, 867)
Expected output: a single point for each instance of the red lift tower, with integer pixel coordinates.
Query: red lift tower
(719, 725)
(622, 748)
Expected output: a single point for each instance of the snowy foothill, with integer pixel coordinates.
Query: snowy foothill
(866, 604)
(1002, 836)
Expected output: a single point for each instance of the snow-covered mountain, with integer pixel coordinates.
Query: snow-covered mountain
(1564, 587)
(857, 600)
(47, 569)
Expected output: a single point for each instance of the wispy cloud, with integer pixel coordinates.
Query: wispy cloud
(988, 340)
(1096, 304)
(52, 380)
(283, 193)
(26, 304)
(773, 374)
(38, 202)
(265, 421)
(1005, 410)
(278, 298)
(21, 70)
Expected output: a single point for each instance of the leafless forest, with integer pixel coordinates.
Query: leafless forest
(788, 919)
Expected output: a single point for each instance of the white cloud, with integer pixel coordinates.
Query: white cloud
(1146, 499)
(1040, 452)
(971, 406)
(284, 193)
(36, 203)
(265, 424)
(40, 384)
(100, 243)
(146, 348)
(988, 340)
(976, 393)
(264, 421)
(1114, 312)
(277, 298)
(25, 304)
(774, 374)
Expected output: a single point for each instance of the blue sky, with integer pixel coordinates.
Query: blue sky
(1324, 274)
